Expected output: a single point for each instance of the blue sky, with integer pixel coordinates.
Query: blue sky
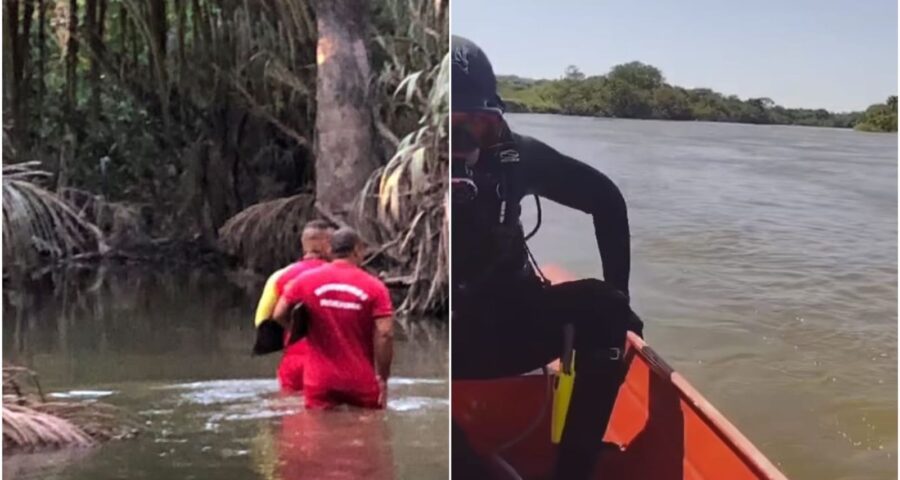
(834, 54)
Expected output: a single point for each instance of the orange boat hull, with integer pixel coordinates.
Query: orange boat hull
(665, 429)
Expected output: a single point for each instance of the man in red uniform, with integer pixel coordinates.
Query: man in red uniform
(316, 243)
(350, 330)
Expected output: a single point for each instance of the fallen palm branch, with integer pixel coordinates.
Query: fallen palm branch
(27, 428)
(30, 422)
(267, 235)
(100, 421)
(38, 224)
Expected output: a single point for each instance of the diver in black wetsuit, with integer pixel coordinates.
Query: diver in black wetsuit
(507, 319)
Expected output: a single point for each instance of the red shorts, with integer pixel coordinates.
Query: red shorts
(318, 398)
(290, 372)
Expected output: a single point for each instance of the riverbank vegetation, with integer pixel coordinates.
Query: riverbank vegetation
(881, 117)
(638, 90)
(214, 124)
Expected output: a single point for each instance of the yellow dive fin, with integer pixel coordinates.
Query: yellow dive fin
(562, 395)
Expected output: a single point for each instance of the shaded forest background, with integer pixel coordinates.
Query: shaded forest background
(166, 128)
(638, 90)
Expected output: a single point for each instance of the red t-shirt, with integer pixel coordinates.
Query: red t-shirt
(290, 273)
(343, 302)
(294, 269)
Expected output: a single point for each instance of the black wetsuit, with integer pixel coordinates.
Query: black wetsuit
(506, 321)
(494, 282)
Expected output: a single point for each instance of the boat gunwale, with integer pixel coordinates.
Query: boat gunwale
(705, 410)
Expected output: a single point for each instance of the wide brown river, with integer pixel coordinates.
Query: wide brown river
(173, 348)
(765, 269)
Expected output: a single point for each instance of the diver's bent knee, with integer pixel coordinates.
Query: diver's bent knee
(606, 290)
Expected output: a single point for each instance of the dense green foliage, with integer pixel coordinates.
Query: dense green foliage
(881, 117)
(638, 90)
(190, 111)
(194, 123)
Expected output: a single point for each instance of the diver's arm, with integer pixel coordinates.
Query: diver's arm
(577, 185)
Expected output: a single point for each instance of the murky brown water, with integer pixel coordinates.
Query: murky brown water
(765, 268)
(174, 349)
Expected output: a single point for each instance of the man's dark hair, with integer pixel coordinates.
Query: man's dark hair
(318, 225)
(343, 242)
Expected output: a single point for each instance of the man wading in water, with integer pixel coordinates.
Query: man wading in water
(350, 331)
(507, 320)
(315, 241)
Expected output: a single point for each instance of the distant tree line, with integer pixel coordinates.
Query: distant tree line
(638, 90)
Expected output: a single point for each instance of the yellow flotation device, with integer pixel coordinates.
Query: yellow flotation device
(268, 299)
(269, 334)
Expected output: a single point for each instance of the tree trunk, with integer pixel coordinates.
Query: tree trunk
(98, 55)
(181, 9)
(159, 28)
(123, 34)
(12, 46)
(180, 31)
(345, 153)
(18, 31)
(24, 88)
(200, 17)
(72, 60)
(135, 48)
(42, 54)
(90, 24)
(101, 24)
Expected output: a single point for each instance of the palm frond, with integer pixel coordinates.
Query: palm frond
(30, 422)
(39, 224)
(266, 235)
(27, 428)
(405, 203)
